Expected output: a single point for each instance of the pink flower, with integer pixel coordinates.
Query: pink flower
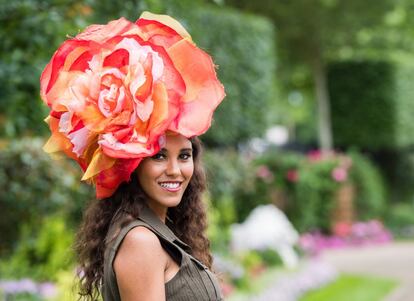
(264, 173)
(342, 229)
(292, 175)
(339, 174)
(314, 155)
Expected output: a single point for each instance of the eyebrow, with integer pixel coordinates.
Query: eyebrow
(181, 150)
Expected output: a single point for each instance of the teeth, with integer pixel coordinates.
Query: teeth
(170, 185)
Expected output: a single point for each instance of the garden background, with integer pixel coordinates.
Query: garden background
(318, 120)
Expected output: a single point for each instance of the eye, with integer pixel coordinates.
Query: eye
(185, 156)
(159, 156)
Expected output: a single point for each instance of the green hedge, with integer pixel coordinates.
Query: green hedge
(372, 109)
(404, 95)
(372, 104)
(362, 103)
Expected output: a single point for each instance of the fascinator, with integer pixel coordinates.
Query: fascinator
(114, 90)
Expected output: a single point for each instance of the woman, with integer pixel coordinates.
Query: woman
(128, 101)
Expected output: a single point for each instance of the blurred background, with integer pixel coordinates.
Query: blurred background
(310, 158)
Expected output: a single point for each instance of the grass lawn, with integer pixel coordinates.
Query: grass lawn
(355, 288)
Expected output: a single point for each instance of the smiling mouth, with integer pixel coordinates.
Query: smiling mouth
(171, 186)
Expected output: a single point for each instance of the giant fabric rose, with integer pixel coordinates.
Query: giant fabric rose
(115, 89)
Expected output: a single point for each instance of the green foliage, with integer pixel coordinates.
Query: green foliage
(303, 187)
(404, 106)
(400, 218)
(226, 174)
(33, 186)
(356, 288)
(42, 252)
(67, 282)
(314, 196)
(251, 262)
(361, 103)
(371, 193)
(367, 96)
(28, 40)
(270, 257)
(398, 169)
(243, 48)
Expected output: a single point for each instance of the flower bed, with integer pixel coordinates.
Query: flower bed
(345, 235)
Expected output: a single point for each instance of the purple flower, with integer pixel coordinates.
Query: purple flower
(47, 289)
(28, 286)
(12, 287)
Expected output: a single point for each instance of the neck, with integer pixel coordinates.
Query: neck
(159, 210)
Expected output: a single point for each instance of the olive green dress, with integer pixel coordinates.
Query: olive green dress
(193, 281)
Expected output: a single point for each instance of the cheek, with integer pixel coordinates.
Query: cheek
(147, 174)
(188, 170)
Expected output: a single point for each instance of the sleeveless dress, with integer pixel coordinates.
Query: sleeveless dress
(193, 282)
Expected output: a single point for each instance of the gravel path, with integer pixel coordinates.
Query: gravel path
(394, 260)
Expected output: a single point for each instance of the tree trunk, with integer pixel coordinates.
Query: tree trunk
(322, 97)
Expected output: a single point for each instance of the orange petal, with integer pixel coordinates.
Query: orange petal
(197, 70)
(93, 119)
(204, 91)
(52, 70)
(163, 112)
(101, 33)
(172, 79)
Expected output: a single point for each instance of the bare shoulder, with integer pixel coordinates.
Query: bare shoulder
(140, 242)
(139, 266)
(142, 238)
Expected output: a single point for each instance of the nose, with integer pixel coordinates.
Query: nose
(173, 168)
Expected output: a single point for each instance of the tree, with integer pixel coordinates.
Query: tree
(312, 32)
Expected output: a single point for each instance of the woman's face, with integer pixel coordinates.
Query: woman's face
(165, 176)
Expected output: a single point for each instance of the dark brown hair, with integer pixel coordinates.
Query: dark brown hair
(187, 221)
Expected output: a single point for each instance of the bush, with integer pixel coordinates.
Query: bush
(400, 219)
(302, 186)
(371, 193)
(34, 186)
(42, 252)
(226, 174)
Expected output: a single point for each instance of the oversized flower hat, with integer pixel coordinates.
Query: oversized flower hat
(114, 91)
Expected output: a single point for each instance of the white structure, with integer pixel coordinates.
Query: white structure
(266, 228)
(277, 135)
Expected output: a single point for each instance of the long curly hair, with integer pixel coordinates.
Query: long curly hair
(187, 220)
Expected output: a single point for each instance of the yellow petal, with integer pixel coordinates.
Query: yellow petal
(57, 142)
(99, 162)
(166, 20)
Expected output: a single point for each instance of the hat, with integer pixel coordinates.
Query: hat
(114, 90)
